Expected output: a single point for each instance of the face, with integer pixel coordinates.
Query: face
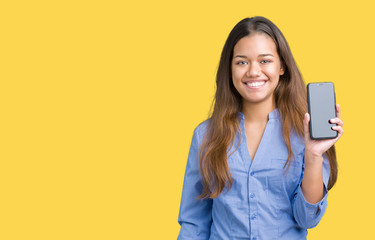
(256, 68)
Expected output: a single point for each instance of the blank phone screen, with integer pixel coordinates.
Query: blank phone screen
(321, 101)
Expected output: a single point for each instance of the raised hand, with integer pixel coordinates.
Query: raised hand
(318, 147)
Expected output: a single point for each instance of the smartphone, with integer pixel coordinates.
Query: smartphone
(321, 101)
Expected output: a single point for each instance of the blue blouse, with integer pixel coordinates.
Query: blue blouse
(265, 202)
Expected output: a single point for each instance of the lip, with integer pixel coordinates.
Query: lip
(255, 81)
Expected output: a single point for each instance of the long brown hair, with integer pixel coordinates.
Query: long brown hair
(290, 99)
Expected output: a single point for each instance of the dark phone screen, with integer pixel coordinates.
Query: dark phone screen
(322, 108)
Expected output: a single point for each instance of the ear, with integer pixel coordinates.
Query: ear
(281, 70)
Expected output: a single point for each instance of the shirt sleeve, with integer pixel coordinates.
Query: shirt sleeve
(308, 215)
(195, 214)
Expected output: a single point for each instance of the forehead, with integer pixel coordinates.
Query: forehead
(255, 44)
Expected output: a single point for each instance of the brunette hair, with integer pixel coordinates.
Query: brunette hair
(290, 99)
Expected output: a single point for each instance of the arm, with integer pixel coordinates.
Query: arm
(310, 198)
(312, 182)
(308, 213)
(195, 214)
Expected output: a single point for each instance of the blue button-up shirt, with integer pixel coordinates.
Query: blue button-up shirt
(265, 202)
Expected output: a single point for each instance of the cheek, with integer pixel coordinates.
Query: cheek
(237, 74)
(272, 71)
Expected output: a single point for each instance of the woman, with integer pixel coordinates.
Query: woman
(253, 172)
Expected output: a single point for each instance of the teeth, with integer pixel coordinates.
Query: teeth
(255, 84)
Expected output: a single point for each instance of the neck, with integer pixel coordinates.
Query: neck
(257, 112)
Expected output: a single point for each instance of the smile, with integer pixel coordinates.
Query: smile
(255, 84)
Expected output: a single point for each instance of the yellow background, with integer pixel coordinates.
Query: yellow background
(99, 100)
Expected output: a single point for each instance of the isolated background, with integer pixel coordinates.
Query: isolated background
(99, 100)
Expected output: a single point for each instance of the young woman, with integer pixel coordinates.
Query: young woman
(253, 172)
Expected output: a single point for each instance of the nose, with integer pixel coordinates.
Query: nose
(253, 70)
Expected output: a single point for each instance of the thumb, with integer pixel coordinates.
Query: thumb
(306, 121)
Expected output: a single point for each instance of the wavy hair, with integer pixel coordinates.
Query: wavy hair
(290, 99)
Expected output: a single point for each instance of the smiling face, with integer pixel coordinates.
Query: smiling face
(256, 68)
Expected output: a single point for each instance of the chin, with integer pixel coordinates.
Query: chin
(257, 99)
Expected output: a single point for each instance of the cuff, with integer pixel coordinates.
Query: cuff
(308, 215)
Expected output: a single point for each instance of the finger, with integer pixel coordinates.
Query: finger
(306, 121)
(337, 121)
(339, 129)
(338, 110)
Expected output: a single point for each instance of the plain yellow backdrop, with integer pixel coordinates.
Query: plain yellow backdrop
(99, 100)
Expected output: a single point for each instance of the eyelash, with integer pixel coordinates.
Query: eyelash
(262, 61)
(267, 61)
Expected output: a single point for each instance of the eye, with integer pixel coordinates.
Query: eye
(241, 63)
(265, 61)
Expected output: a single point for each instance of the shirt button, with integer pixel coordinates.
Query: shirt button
(253, 216)
(252, 173)
(252, 195)
(322, 203)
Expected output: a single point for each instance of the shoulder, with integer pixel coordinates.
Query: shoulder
(200, 130)
(297, 141)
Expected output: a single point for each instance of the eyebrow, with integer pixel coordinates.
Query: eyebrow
(260, 55)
